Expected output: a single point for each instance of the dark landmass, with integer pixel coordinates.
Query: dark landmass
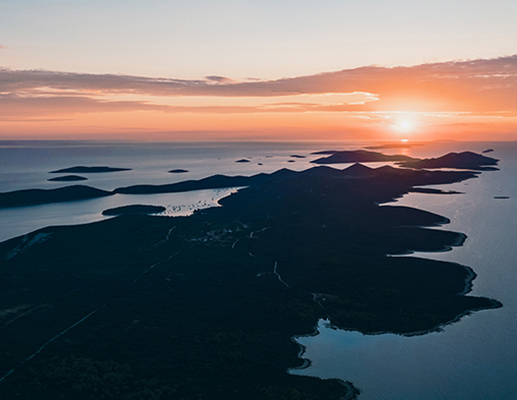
(355, 156)
(81, 192)
(44, 196)
(434, 191)
(326, 152)
(297, 156)
(260, 163)
(67, 178)
(205, 307)
(88, 170)
(291, 161)
(212, 182)
(178, 171)
(487, 151)
(394, 146)
(465, 160)
(134, 209)
(243, 160)
(501, 197)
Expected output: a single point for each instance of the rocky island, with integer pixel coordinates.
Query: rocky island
(205, 306)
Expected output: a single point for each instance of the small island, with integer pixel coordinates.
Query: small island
(134, 209)
(67, 178)
(178, 171)
(88, 170)
(242, 160)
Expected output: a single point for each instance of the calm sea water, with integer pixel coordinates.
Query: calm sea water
(474, 359)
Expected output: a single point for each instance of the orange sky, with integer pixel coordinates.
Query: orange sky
(462, 100)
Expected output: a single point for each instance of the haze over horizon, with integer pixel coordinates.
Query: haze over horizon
(250, 70)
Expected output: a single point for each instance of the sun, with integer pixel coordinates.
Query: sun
(405, 125)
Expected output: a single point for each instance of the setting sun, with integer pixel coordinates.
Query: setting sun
(405, 125)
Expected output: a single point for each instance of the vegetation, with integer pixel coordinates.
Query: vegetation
(205, 307)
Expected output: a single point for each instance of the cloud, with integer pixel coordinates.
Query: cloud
(2, 47)
(14, 106)
(483, 86)
(219, 79)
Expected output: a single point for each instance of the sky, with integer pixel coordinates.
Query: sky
(258, 70)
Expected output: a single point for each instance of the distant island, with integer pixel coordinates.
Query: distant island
(394, 146)
(178, 171)
(67, 178)
(134, 209)
(296, 156)
(354, 156)
(205, 306)
(464, 160)
(88, 170)
(243, 160)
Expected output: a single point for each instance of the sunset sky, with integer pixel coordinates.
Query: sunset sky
(258, 70)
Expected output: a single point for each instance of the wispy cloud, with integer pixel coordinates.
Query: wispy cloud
(2, 47)
(475, 86)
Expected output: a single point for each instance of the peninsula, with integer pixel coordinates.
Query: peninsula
(205, 306)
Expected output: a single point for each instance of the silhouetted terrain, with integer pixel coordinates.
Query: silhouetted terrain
(44, 196)
(134, 209)
(88, 170)
(67, 178)
(354, 156)
(205, 307)
(465, 160)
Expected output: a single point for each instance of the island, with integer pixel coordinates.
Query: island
(296, 156)
(353, 156)
(243, 160)
(67, 178)
(206, 306)
(178, 171)
(464, 160)
(88, 170)
(134, 209)
(399, 145)
(28, 197)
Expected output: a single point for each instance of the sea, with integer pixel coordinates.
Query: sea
(474, 358)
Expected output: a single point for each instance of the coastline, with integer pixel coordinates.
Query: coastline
(300, 220)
